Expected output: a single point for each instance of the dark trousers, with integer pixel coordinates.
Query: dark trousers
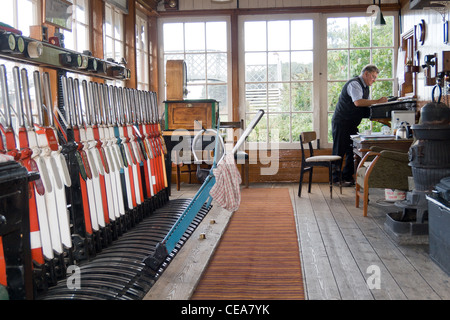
(342, 146)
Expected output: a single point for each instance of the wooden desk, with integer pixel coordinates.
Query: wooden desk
(360, 147)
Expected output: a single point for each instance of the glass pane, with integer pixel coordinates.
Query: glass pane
(337, 65)
(173, 37)
(302, 65)
(108, 21)
(219, 93)
(118, 25)
(301, 35)
(196, 91)
(109, 48)
(69, 42)
(255, 67)
(196, 66)
(259, 133)
(334, 90)
(279, 127)
(358, 59)
(195, 36)
(301, 122)
(383, 58)
(216, 36)
(384, 37)
(337, 32)
(278, 68)
(278, 35)
(118, 48)
(82, 37)
(81, 8)
(274, 98)
(302, 96)
(7, 12)
(382, 89)
(256, 97)
(25, 8)
(330, 134)
(255, 36)
(359, 32)
(217, 67)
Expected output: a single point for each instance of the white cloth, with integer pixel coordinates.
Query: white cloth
(226, 191)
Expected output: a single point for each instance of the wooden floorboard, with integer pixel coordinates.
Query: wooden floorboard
(337, 246)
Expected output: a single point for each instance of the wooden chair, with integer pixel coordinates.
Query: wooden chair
(381, 169)
(308, 163)
(179, 165)
(241, 157)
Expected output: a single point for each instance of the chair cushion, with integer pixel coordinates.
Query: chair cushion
(323, 158)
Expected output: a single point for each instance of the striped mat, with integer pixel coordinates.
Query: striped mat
(258, 255)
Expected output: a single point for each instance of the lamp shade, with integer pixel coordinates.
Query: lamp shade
(379, 20)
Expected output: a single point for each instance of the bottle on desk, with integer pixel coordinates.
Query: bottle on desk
(395, 126)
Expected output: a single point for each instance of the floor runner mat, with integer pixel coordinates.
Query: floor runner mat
(258, 256)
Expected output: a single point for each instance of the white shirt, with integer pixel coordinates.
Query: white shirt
(354, 89)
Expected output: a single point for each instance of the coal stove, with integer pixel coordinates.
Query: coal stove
(429, 157)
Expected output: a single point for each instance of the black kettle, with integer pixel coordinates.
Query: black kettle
(435, 113)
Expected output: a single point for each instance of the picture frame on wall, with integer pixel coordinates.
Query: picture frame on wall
(58, 13)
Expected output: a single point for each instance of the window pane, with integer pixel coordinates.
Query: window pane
(118, 25)
(173, 37)
(337, 32)
(195, 36)
(219, 93)
(216, 36)
(7, 12)
(278, 67)
(278, 35)
(301, 35)
(196, 66)
(255, 67)
(382, 89)
(279, 125)
(301, 122)
(359, 32)
(302, 64)
(334, 90)
(358, 59)
(337, 65)
(259, 133)
(81, 8)
(384, 37)
(196, 91)
(108, 21)
(256, 97)
(255, 36)
(383, 59)
(302, 96)
(217, 67)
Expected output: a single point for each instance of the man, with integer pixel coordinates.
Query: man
(352, 107)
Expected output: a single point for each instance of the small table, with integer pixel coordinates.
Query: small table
(361, 147)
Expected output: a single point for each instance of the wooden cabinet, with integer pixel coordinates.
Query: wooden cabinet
(181, 114)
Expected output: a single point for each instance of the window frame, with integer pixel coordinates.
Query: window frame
(162, 57)
(324, 128)
(315, 17)
(116, 12)
(142, 53)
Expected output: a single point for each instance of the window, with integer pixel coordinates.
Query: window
(26, 9)
(78, 38)
(278, 75)
(142, 53)
(204, 46)
(352, 43)
(114, 44)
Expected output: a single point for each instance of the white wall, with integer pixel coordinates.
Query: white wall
(244, 4)
(433, 39)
